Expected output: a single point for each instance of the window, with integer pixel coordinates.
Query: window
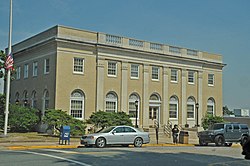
(76, 104)
(111, 102)
(175, 50)
(18, 73)
(210, 106)
(26, 71)
(174, 75)
(134, 71)
(129, 130)
(46, 99)
(34, 100)
(155, 73)
(173, 107)
(190, 108)
(78, 65)
(46, 66)
(210, 79)
(112, 68)
(132, 108)
(25, 98)
(35, 69)
(191, 77)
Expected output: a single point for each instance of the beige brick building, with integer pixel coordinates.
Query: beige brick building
(81, 72)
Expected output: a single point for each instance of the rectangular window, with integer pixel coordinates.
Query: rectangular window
(210, 109)
(211, 79)
(190, 111)
(191, 77)
(46, 66)
(155, 73)
(172, 110)
(18, 73)
(35, 69)
(134, 71)
(132, 109)
(112, 68)
(76, 108)
(26, 71)
(79, 65)
(174, 75)
(110, 106)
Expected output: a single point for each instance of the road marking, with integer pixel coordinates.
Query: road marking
(99, 153)
(56, 157)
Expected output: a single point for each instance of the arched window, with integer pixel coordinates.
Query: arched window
(77, 104)
(210, 106)
(190, 108)
(17, 98)
(173, 107)
(46, 99)
(154, 98)
(25, 98)
(132, 109)
(34, 100)
(111, 102)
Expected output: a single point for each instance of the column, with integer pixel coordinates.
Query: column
(145, 95)
(100, 86)
(165, 98)
(124, 88)
(184, 96)
(200, 111)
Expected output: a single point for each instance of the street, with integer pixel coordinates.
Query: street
(157, 156)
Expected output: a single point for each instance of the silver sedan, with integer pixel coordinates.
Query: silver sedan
(116, 135)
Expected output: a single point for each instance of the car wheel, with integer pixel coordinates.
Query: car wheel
(219, 140)
(243, 140)
(202, 142)
(138, 142)
(228, 144)
(100, 142)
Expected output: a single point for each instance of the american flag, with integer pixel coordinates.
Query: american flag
(9, 62)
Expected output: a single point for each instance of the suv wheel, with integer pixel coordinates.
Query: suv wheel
(243, 140)
(219, 140)
(202, 142)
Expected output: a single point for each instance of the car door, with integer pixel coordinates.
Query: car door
(228, 134)
(236, 132)
(129, 135)
(117, 136)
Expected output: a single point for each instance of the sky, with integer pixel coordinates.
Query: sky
(214, 26)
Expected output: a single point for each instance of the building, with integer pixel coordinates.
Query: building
(241, 112)
(81, 72)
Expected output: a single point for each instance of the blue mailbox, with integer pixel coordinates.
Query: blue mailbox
(64, 134)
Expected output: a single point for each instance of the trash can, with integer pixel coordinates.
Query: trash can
(183, 138)
(64, 135)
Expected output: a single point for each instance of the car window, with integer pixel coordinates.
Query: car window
(228, 127)
(119, 130)
(129, 130)
(236, 127)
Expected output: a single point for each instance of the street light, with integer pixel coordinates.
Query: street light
(136, 112)
(197, 120)
(17, 101)
(25, 102)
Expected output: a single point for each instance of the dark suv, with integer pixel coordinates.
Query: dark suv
(224, 134)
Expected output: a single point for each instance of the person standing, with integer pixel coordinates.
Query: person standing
(175, 132)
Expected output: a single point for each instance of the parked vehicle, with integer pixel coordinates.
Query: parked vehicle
(224, 134)
(116, 135)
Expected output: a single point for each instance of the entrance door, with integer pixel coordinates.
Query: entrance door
(153, 114)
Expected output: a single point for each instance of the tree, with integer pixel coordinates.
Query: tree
(103, 119)
(58, 118)
(226, 111)
(210, 119)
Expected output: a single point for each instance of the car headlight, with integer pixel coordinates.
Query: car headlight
(90, 137)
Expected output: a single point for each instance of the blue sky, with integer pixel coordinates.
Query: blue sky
(216, 26)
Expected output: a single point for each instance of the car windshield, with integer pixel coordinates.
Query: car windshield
(216, 127)
(106, 130)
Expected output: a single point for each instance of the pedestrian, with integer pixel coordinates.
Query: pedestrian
(246, 149)
(175, 132)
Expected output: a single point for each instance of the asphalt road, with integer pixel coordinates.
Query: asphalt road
(120, 156)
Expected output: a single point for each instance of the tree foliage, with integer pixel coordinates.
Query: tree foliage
(103, 119)
(226, 111)
(210, 119)
(58, 118)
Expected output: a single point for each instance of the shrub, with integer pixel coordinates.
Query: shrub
(210, 119)
(103, 119)
(57, 118)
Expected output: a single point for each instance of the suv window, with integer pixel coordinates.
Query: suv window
(217, 127)
(228, 127)
(236, 127)
(244, 127)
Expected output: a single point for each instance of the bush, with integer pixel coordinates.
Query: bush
(103, 119)
(209, 120)
(57, 118)
(20, 119)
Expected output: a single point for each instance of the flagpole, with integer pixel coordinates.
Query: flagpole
(8, 75)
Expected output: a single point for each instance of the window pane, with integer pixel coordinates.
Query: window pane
(112, 68)
(190, 76)
(210, 79)
(174, 75)
(155, 73)
(78, 65)
(134, 71)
